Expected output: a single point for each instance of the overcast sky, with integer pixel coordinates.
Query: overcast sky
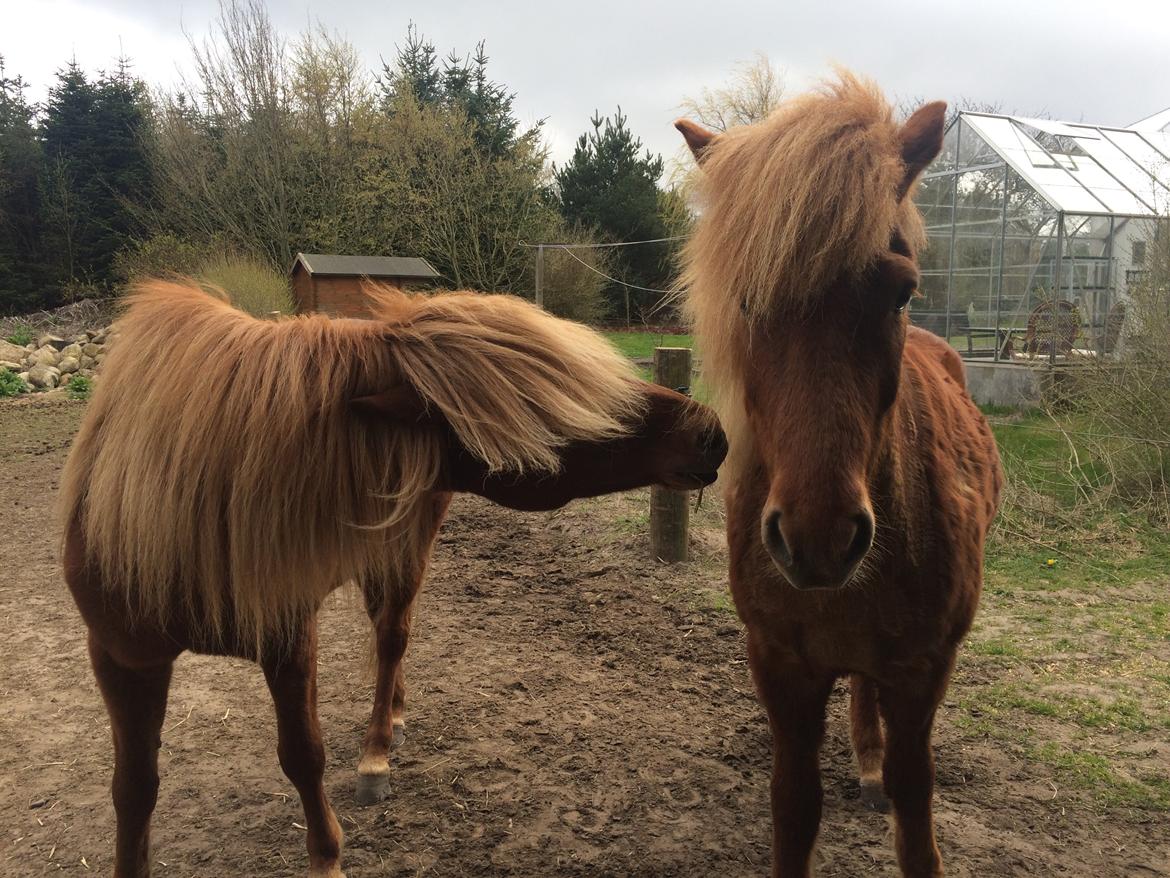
(1106, 61)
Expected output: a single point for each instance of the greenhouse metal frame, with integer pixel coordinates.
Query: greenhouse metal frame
(1036, 231)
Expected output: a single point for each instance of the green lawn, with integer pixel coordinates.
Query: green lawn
(637, 345)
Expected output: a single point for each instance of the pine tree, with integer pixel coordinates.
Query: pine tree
(22, 271)
(120, 122)
(66, 132)
(416, 71)
(461, 85)
(611, 186)
(96, 169)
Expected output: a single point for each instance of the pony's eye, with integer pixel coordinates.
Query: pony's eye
(904, 297)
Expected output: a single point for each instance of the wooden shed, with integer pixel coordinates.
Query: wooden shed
(333, 284)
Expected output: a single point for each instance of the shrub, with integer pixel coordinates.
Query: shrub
(22, 335)
(1122, 401)
(11, 384)
(160, 256)
(251, 285)
(79, 387)
(573, 283)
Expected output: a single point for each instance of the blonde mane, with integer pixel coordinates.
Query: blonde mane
(789, 205)
(221, 475)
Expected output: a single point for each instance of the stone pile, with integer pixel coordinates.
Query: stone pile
(52, 361)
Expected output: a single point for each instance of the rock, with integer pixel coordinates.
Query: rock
(54, 341)
(23, 376)
(101, 335)
(98, 359)
(91, 349)
(73, 350)
(86, 363)
(46, 355)
(11, 353)
(10, 366)
(44, 377)
(68, 365)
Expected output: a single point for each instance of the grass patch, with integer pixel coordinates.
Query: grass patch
(639, 345)
(11, 384)
(21, 335)
(1097, 775)
(79, 387)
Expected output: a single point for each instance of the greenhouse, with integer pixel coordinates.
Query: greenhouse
(1036, 230)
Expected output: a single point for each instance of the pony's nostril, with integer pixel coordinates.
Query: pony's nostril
(774, 540)
(713, 443)
(862, 538)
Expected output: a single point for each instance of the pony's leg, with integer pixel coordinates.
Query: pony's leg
(908, 770)
(389, 604)
(136, 699)
(866, 731)
(387, 723)
(795, 703)
(292, 680)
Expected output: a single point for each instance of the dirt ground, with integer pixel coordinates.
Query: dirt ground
(573, 709)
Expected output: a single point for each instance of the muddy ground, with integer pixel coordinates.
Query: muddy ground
(573, 710)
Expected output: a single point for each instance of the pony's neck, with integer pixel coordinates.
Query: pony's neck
(897, 476)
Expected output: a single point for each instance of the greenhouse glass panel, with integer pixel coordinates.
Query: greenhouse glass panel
(1086, 276)
(978, 246)
(1039, 167)
(934, 200)
(1029, 263)
(1137, 147)
(974, 150)
(1128, 173)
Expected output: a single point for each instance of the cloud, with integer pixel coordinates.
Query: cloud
(1073, 59)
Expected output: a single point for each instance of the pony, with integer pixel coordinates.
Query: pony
(861, 480)
(215, 513)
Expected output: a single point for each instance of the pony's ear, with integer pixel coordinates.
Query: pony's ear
(921, 139)
(697, 137)
(400, 403)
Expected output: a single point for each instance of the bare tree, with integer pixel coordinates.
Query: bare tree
(755, 88)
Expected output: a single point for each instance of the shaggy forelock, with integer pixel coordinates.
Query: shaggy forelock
(790, 205)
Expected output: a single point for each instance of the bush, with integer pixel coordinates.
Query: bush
(79, 387)
(574, 287)
(163, 255)
(574, 290)
(1121, 404)
(251, 285)
(11, 384)
(22, 335)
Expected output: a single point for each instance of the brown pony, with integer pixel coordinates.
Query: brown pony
(861, 480)
(216, 511)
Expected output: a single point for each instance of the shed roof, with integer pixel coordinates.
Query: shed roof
(1081, 168)
(329, 264)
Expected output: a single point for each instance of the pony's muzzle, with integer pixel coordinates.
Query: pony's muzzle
(824, 558)
(713, 446)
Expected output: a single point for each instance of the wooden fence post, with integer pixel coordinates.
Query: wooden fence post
(670, 510)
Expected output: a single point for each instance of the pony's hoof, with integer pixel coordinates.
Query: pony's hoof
(398, 738)
(372, 788)
(333, 871)
(873, 796)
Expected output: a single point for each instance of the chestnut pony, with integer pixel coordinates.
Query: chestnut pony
(861, 480)
(214, 513)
